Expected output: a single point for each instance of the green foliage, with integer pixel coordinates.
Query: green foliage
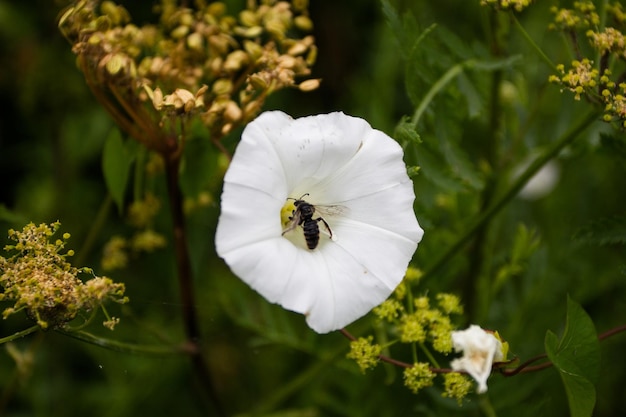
(118, 156)
(465, 90)
(576, 356)
(605, 231)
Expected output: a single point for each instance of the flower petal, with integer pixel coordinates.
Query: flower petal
(256, 163)
(248, 216)
(336, 159)
(315, 147)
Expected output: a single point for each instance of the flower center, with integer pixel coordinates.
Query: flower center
(286, 212)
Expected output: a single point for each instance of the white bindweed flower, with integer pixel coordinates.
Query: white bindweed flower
(480, 349)
(542, 183)
(355, 179)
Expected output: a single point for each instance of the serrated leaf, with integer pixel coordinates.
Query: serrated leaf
(473, 99)
(577, 358)
(117, 158)
(405, 132)
(495, 64)
(405, 29)
(432, 167)
(455, 157)
(454, 44)
(604, 231)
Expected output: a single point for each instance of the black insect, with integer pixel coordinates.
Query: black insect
(303, 216)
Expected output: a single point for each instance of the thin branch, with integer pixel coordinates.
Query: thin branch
(183, 263)
(118, 346)
(20, 334)
(525, 367)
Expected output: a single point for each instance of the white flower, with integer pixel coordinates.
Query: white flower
(480, 349)
(326, 160)
(542, 183)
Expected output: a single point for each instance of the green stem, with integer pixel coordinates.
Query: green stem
(20, 334)
(486, 406)
(297, 384)
(515, 188)
(95, 230)
(125, 347)
(429, 355)
(439, 85)
(532, 43)
(185, 281)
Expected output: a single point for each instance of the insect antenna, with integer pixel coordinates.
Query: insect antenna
(296, 199)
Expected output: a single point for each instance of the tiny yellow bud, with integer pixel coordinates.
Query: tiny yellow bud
(248, 18)
(222, 86)
(195, 41)
(216, 8)
(180, 32)
(303, 23)
(309, 85)
(257, 82)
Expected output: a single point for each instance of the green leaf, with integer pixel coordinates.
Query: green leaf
(117, 158)
(405, 29)
(435, 169)
(198, 166)
(604, 231)
(495, 64)
(474, 100)
(615, 145)
(577, 358)
(9, 216)
(455, 157)
(405, 132)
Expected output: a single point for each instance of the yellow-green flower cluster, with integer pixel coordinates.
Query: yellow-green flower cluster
(418, 377)
(617, 11)
(425, 322)
(39, 280)
(615, 107)
(196, 61)
(610, 40)
(430, 324)
(582, 16)
(364, 353)
(456, 385)
(517, 5)
(581, 78)
(141, 214)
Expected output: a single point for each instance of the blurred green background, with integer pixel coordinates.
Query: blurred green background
(264, 360)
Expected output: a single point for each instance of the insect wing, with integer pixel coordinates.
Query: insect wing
(293, 223)
(331, 210)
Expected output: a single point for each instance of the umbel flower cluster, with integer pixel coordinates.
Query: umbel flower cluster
(118, 250)
(39, 280)
(600, 82)
(517, 5)
(195, 61)
(428, 324)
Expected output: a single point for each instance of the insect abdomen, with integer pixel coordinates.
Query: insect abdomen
(311, 233)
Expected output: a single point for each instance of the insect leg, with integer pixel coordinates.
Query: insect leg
(330, 232)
